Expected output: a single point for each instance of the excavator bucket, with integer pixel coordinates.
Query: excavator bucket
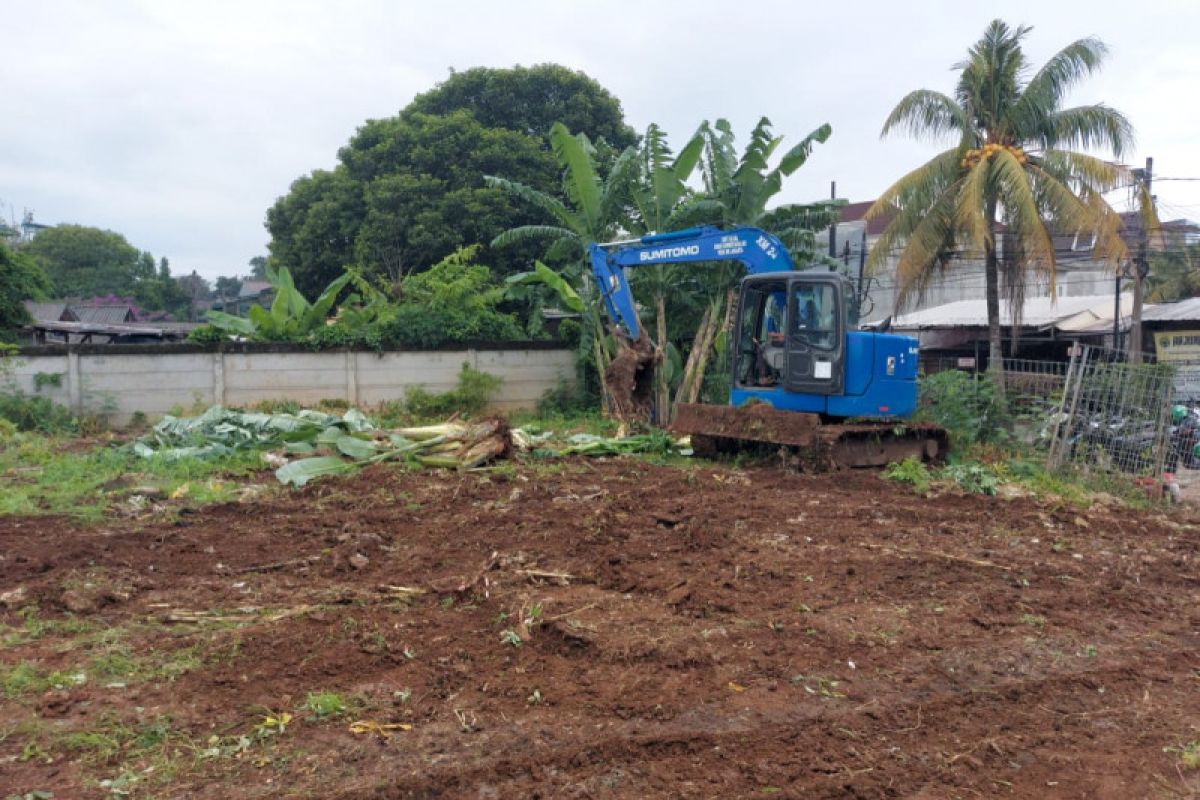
(804, 441)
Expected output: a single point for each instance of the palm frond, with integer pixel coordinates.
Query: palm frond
(918, 184)
(1026, 227)
(1061, 206)
(801, 242)
(699, 210)
(720, 158)
(655, 150)
(759, 149)
(812, 216)
(926, 246)
(618, 187)
(1091, 127)
(970, 210)
(568, 248)
(1110, 244)
(926, 114)
(906, 202)
(1079, 170)
(1065, 68)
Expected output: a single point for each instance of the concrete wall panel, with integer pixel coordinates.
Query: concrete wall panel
(125, 383)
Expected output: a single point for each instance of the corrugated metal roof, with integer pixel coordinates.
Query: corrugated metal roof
(104, 315)
(1181, 311)
(1038, 312)
(1086, 321)
(47, 312)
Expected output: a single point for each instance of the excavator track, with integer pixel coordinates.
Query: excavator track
(804, 442)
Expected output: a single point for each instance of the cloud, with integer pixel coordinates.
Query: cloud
(180, 124)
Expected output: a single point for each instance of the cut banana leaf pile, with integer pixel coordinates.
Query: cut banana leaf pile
(310, 444)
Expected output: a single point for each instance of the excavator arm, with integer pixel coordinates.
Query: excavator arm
(758, 250)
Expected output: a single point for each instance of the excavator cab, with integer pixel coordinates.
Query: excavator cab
(791, 330)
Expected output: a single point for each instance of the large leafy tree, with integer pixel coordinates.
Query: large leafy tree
(1015, 160)
(87, 262)
(21, 279)
(529, 100)
(409, 190)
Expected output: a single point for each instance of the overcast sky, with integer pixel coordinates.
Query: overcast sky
(179, 124)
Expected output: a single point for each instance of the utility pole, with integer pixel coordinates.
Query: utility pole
(1116, 340)
(1141, 266)
(833, 225)
(860, 291)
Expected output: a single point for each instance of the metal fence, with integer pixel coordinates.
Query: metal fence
(1114, 416)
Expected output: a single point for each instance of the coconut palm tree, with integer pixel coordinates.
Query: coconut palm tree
(1015, 160)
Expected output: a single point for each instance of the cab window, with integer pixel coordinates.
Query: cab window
(814, 315)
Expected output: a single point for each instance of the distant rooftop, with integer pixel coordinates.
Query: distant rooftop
(1180, 311)
(1038, 312)
(252, 289)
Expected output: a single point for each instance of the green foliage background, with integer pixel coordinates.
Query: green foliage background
(408, 190)
(21, 278)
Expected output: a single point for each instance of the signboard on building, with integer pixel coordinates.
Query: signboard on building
(1187, 382)
(1175, 346)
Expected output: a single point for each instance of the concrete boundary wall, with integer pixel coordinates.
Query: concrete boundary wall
(119, 381)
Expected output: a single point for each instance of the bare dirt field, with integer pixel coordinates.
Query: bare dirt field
(604, 629)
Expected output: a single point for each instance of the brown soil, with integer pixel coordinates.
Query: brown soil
(699, 633)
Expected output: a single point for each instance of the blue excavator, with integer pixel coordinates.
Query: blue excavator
(805, 378)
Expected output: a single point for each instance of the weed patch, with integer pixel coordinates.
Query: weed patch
(910, 471)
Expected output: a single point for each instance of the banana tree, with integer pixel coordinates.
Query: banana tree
(737, 191)
(662, 201)
(596, 210)
(290, 316)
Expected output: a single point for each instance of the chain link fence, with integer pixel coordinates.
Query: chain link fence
(1116, 417)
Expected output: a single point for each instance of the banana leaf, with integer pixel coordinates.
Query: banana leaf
(358, 449)
(300, 472)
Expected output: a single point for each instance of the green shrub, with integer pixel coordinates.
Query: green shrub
(28, 413)
(472, 395)
(207, 334)
(973, 477)
(568, 399)
(967, 406)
